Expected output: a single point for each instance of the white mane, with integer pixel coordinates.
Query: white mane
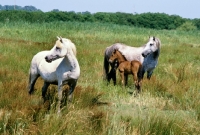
(69, 44)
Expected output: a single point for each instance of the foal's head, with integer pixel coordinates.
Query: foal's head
(113, 57)
(116, 55)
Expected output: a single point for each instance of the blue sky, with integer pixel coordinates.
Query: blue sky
(183, 8)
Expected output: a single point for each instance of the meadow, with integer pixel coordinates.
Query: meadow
(168, 104)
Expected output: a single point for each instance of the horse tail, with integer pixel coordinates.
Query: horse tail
(105, 68)
(29, 73)
(33, 75)
(29, 79)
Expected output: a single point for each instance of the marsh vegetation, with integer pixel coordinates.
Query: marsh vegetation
(168, 104)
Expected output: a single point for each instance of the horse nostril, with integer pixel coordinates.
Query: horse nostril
(143, 55)
(46, 58)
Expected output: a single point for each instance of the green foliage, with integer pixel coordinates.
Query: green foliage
(187, 26)
(157, 21)
(197, 23)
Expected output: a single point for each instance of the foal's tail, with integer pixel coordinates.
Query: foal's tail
(105, 68)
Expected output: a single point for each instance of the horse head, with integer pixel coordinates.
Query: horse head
(58, 51)
(151, 46)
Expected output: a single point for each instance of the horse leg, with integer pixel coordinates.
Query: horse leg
(141, 73)
(114, 68)
(59, 95)
(44, 90)
(105, 68)
(71, 90)
(109, 76)
(114, 76)
(32, 80)
(149, 73)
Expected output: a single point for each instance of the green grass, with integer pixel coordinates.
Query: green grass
(169, 102)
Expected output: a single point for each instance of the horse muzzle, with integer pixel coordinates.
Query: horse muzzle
(144, 55)
(48, 60)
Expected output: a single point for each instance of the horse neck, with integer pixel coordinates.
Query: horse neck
(156, 53)
(121, 58)
(71, 59)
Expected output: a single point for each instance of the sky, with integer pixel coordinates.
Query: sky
(184, 8)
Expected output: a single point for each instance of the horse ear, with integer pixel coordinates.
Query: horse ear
(61, 39)
(154, 38)
(58, 38)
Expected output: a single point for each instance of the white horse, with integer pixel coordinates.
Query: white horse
(147, 55)
(58, 66)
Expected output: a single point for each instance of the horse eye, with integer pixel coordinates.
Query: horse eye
(151, 44)
(57, 48)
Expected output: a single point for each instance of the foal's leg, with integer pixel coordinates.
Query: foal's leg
(122, 77)
(126, 79)
(44, 90)
(135, 78)
(136, 81)
(139, 85)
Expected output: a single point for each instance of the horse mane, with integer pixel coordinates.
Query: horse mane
(158, 42)
(69, 44)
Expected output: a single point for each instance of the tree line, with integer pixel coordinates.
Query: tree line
(157, 21)
(15, 7)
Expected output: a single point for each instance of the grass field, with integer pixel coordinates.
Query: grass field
(168, 105)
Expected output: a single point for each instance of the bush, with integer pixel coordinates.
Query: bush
(187, 26)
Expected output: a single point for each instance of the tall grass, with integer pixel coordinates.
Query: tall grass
(169, 102)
